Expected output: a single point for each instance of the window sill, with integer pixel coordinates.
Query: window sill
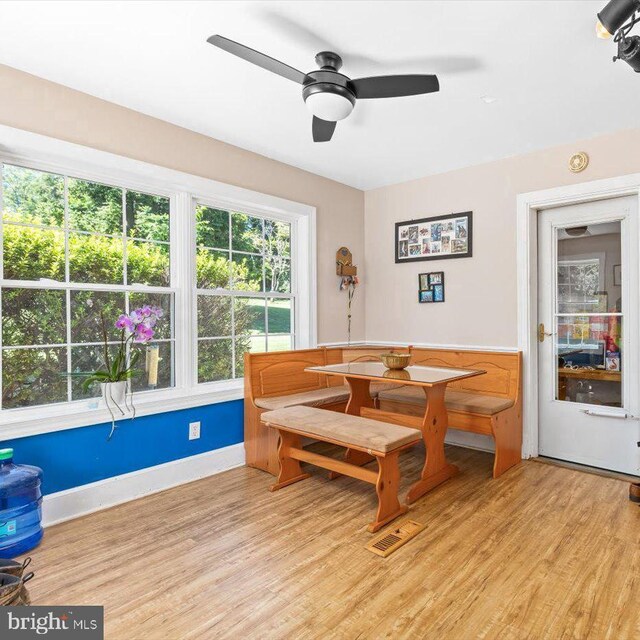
(21, 423)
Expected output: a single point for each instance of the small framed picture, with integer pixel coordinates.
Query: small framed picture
(431, 287)
(617, 275)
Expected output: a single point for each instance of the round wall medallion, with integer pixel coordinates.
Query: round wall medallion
(578, 162)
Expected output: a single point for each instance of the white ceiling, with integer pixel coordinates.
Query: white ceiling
(553, 79)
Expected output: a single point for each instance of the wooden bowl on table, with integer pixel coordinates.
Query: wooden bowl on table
(395, 360)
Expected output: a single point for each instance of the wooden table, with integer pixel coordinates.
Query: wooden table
(433, 425)
(564, 374)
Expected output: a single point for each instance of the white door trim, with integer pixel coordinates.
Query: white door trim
(528, 205)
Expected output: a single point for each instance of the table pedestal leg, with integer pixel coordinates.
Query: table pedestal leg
(360, 397)
(434, 428)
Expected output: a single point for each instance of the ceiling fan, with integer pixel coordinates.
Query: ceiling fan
(328, 94)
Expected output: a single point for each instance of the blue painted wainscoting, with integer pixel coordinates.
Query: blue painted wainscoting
(75, 457)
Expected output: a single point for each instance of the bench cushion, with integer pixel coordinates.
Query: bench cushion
(455, 400)
(342, 428)
(318, 397)
(313, 398)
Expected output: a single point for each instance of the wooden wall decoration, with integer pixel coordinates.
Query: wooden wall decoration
(344, 263)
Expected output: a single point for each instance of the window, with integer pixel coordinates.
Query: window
(84, 231)
(579, 282)
(579, 291)
(73, 249)
(244, 296)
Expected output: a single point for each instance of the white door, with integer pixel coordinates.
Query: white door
(588, 334)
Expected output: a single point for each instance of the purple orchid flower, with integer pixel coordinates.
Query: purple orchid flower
(140, 322)
(143, 333)
(124, 322)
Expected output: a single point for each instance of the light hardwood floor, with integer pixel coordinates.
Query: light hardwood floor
(541, 552)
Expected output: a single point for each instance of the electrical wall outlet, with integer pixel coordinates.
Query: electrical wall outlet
(194, 430)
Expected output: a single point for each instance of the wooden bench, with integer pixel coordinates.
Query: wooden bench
(490, 404)
(381, 440)
(278, 380)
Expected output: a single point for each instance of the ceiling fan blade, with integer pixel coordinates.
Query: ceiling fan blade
(322, 129)
(394, 86)
(257, 58)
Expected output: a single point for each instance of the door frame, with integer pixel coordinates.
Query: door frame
(528, 206)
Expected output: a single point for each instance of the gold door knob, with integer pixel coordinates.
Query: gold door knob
(542, 333)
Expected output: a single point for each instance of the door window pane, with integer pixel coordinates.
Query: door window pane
(588, 325)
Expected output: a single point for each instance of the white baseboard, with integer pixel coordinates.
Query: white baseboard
(470, 440)
(79, 501)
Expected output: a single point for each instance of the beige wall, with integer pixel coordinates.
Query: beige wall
(36, 105)
(480, 307)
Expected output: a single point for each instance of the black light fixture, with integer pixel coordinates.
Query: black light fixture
(629, 51)
(614, 15)
(611, 20)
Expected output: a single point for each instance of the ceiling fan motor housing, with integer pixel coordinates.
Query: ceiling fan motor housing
(327, 85)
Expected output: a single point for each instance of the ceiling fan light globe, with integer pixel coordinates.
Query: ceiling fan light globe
(329, 106)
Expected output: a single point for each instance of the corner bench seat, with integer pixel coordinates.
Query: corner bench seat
(455, 400)
(381, 440)
(281, 379)
(315, 397)
(343, 429)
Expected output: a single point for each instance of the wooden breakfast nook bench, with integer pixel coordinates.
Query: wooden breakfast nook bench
(381, 440)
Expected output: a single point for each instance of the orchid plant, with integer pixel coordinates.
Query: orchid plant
(135, 327)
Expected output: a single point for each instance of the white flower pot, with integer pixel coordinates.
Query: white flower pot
(114, 396)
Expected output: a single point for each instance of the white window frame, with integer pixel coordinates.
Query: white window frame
(57, 156)
(293, 295)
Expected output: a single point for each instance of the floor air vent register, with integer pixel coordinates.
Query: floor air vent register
(385, 543)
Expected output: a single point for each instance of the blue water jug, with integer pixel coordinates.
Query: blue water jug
(20, 506)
